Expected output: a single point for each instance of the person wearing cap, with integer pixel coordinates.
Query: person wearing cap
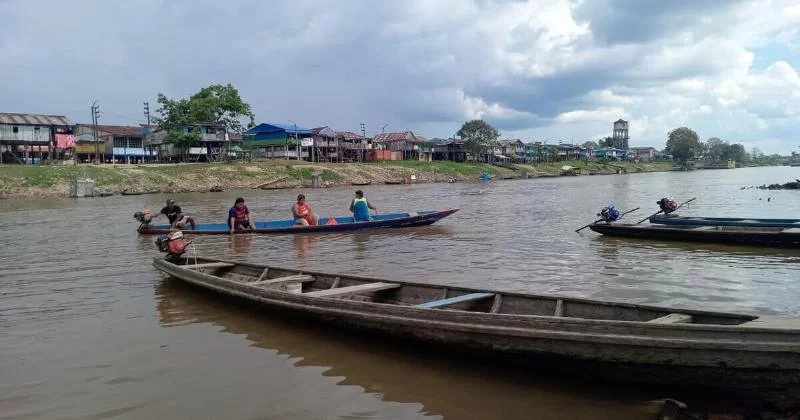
(239, 216)
(360, 207)
(302, 213)
(175, 216)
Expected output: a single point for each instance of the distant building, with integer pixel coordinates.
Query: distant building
(403, 145)
(214, 142)
(274, 140)
(620, 137)
(644, 154)
(28, 138)
(115, 143)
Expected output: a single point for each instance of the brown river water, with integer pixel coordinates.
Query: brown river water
(88, 329)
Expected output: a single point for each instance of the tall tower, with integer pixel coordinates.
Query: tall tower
(621, 134)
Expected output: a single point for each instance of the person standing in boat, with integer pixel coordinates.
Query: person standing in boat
(302, 213)
(239, 216)
(174, 213)
(360, 207)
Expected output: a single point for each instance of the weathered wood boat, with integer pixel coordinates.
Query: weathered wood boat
(671, 219)
(129, 192)
(341, 224)
(736, 235)
(361, 183)
(621, 341)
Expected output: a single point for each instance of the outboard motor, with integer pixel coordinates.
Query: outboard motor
(609, 214)
(144, 217)
(667, 205)
(173, 244)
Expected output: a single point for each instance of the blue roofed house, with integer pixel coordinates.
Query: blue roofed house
(274, 140)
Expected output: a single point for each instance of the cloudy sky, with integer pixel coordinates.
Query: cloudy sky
(545, 70)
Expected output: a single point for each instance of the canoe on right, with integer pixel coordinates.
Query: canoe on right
(669, 219)
(737, 235)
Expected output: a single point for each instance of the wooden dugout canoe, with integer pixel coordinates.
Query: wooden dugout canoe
(722, 221)
(620, 341)
(735, 235)
(343, 224)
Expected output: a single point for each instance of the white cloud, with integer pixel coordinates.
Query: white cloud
(538, 68)
(589, 115)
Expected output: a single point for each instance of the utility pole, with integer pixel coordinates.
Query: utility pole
(146, 136)
(94, 131)
(383, 129)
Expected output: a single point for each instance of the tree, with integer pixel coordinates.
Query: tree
(607, 142)
(591, 145)
(716, 150)
(220, 105)
(738, 153)
(478, 137)
(215, 104)
(683, 144)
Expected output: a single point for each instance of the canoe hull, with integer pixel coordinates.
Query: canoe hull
(734, 235)
(344, 224)
(722, 221)
(751, 360)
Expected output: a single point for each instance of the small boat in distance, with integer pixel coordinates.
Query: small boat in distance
(722, 221)
(735, 235)
(616, 341)
(327, 224)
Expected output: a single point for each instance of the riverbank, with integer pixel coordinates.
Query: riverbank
(55, 180)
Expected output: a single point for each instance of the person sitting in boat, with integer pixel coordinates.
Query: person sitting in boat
(177, 220)
(239, 216)
(360, 207)
(302, 213)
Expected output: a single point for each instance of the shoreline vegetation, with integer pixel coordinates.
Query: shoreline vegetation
(109, 179)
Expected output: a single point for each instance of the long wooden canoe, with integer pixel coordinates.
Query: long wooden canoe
(622, 341)
(343, 224)
(737, 235)
(722, 221)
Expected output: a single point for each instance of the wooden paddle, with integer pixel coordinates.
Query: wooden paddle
(660, 211)
(600, 220)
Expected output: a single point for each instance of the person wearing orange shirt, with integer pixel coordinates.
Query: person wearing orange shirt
(302, 213)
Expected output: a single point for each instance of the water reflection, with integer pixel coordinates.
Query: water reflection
(783, 255)
(240, 244)
(400, 374)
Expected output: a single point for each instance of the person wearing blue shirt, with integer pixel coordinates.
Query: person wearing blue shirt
(360, 207)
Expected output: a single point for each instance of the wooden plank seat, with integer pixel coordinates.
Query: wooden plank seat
(209, 265)
(674, 318)
(353, 290)
(300, 278)
(453, 300)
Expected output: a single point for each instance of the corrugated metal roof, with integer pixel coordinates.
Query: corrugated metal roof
(119, 130)
(398, 136)
(349, 135)
(33, 119)
(271, 128)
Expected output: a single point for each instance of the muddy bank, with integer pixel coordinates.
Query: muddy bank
(56, 180)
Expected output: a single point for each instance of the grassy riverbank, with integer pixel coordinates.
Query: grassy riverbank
(20, 181)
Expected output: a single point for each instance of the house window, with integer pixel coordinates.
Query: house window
(15, 129)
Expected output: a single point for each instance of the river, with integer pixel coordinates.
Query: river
(88, 329)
